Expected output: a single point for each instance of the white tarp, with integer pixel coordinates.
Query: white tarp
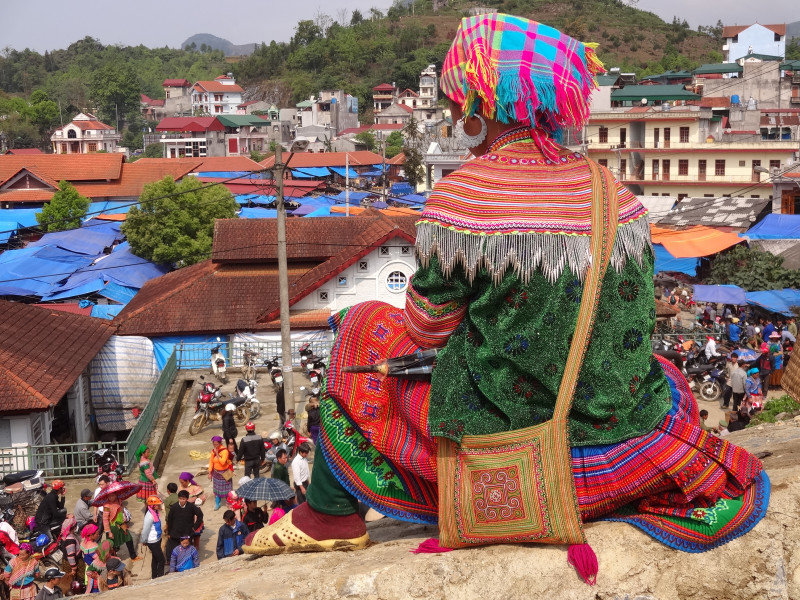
(124, 373)
(269, 344)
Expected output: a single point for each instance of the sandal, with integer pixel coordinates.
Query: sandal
(283, 536)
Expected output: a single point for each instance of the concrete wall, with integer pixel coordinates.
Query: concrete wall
(760, 38)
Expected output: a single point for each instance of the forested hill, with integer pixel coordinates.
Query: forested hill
(351, 50)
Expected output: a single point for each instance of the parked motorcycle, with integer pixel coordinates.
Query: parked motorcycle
(707, 380)
(219, 364)
(295, 438)
(107, 464)
(315, 369)
(251, 408)
(249, 370)
(273, 365)
(210, 406)
(286, 437)
(305, 351)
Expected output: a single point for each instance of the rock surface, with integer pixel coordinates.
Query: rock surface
(764, 564)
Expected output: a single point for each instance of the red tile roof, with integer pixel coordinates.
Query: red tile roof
(733, 30)
(405, 108)
(327, 159)
(43, 353)
(72, 308)
(193, 124)
(397, 159)
(135, 176)
(20, 151)
(237, 290)
(383, 87)
(248, 103)
(217, 87)
(69, 167)
(26, 196)
(93, 125)
(408, 93)
(176, 83)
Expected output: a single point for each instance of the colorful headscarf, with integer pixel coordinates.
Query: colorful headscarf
(26, 546)
(216, 438)
(140, 451)
(186, 476)
(517, 70)
(88, 530)
(67, 526)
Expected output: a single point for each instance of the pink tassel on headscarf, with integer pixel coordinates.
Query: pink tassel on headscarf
(430, 546)
(583, 558)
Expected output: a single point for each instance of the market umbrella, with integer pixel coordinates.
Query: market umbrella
(746, 354)
(266, 489)
(123, 489)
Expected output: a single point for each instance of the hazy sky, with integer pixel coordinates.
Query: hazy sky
(51, 24)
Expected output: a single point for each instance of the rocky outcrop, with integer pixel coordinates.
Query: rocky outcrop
(765, 564)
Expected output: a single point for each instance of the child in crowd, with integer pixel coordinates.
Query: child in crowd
(117, 575)
(231, 536)
(184, 556)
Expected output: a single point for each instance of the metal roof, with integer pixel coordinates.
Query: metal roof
(710, 68)
(652, 92)
(738, 213)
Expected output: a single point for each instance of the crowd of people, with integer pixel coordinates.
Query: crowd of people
(93, 534)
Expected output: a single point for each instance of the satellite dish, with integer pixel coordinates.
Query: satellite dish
(644, 101)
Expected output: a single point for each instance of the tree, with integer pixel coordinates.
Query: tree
(116, 90)
(65, 211)
(413, 166)
(752, 270)
(793, 49)
(356, 18)
(368, 139)
(154, 150)
(175, 222)
(394, 144)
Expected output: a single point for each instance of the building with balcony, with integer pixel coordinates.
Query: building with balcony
(331, 110)
(189, 137)
(85, 134)
(688, 152)
(383, 96)
(221, 96)
(740, 40)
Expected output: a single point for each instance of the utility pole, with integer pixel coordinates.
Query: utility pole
(283, 283)
(346, 184)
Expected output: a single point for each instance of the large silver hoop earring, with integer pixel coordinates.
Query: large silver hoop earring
(472, 141)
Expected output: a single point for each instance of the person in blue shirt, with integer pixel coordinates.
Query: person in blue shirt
(231, 536)
(734, 331)
(767, 331)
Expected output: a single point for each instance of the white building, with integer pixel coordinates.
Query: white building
(221, 96)
(85, 134)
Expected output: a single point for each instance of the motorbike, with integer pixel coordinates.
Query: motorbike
(210, 406)
(295, 438)
(251, 408)
(218, 364)
(46, 546)
(249, 370)
(107, 464)
(315, 369)
(305, 351)
(273, 365)
(707, 380)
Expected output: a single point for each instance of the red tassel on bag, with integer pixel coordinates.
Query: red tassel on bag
(430, 546)
(583, 558)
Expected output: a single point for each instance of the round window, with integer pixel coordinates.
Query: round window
(396, 281)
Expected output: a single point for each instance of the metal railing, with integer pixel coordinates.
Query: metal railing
(198, 356)
(144, 426)
(70, 461)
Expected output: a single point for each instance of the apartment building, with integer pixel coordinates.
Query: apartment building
(689, 151)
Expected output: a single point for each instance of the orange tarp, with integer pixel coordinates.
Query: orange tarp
(119, 217)
(694, 241)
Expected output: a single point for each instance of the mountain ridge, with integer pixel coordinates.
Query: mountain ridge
(217, 43)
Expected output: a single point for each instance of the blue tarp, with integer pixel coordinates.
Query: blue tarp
(26, 217)
(322, 211)
(255, 199)
(7, 229)
(90, 287)
(355, 197)
(774, 227)
(163, 346)
(309, 172)
(402, 188)
(304, 209)
(36, 271)
(777, 301)
(341, 171)
(666, 262)
(725, 294)
(85, 240)
(257, 213)
(118, 293)
(372, 173)
(418, 198)
(106, 311)
(109, 207)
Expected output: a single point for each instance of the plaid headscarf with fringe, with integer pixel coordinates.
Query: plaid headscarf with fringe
(517, 70)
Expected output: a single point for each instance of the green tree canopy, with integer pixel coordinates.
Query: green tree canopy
(175, 223)
(367, 138)
(752, 270)
(394, 144)
(65, 210)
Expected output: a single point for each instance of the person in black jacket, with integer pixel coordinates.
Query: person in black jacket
(229, 429)
(184, 518)
(51, 511)
(252, 451)
(280, 405)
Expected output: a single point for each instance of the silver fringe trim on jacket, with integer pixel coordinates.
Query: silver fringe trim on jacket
(525, 252)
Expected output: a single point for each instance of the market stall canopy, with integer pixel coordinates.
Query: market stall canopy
(725, 294)
(775, 227)
(694, 241)
(665, 262)
(776, 301)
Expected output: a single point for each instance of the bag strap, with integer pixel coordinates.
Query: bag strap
(605, 213)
